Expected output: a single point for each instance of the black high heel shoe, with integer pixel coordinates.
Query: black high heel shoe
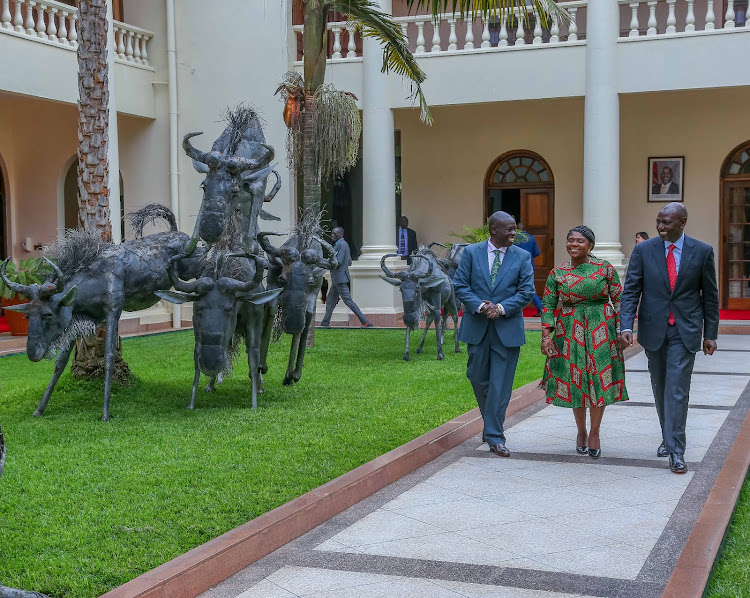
(595, 453)
(581, 450)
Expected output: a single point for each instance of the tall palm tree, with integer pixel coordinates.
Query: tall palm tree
(93, 161)
(366, 16)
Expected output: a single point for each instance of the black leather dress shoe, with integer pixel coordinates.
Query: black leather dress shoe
(662, 451)
(484, 440)
(595, 453)
(500, 450)
(677, 463)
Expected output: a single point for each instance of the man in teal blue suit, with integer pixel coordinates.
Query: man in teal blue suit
(494, 281)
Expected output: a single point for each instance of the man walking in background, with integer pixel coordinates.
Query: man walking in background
(340, 281)
(530, 245)
(494, 281)
(674, 278)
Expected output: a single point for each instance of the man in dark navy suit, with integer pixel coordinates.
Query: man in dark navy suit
(406, 240)
(674, 278)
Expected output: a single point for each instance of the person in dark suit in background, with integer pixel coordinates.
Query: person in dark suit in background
(495, 282)
(340, 281)
(406, 240)
(532, 247)
(668, 186)
(674, 278)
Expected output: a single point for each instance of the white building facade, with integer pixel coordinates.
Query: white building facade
(560, 126)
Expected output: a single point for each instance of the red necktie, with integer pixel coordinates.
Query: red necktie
(672, 271)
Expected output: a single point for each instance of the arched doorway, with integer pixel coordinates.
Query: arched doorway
(521, 183)
(70, 199)
(735, 229)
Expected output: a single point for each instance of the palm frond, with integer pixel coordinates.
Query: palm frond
(546, 9)
(397, 57)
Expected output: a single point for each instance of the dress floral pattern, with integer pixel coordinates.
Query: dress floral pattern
(586, 368)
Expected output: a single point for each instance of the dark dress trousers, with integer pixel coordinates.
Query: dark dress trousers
(411, 242)
(671, 349)
(493, 345)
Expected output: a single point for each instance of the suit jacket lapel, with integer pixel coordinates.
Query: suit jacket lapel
(510, 256)
(688, 252)
(661, 260)
(484, 260)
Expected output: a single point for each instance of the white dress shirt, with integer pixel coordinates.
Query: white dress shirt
(491, 259)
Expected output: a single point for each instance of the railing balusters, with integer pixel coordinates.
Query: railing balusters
(469, 40)
(729, 17)
(671, 21)
(710, 16)
(420, 37)
(41, 28)
(573, 26)
(520, 32)
(405, 30)
(129, 47)
(486, 31)
(503, 41)
(634, 24)
(6, 18)
(144, 49)
(137, 48)
(537, 28)
(651, 18)
(336, 41)
(554, 31)
(690, 18)
(30, 25)
(62, 31)
(351, 46)
(435, 37)
(452, 39)
(18, 17)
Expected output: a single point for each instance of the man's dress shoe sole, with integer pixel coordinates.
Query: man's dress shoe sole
(499, 450)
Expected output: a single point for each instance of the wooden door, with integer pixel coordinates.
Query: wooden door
(735, 266)
(537, 213)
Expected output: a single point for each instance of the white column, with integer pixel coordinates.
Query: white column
(113, 150)
(378, 173)
(601, 143)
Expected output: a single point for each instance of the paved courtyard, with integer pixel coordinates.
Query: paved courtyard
(546, 523)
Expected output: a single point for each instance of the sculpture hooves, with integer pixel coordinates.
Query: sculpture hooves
(191, 407)
(105, 417)
(407, 358)
(419, 351)
(441, 357)
(38, 413)
(288, 381)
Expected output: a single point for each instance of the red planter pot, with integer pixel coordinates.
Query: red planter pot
(19, 326)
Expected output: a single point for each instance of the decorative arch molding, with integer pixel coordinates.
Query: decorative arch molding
(519, 168)
(737, 163)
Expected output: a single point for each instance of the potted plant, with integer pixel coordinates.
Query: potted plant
(27, 272)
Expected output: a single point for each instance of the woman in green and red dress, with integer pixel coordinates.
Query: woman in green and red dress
(585, 367)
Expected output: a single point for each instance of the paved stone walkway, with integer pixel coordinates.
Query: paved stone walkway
(546, 523)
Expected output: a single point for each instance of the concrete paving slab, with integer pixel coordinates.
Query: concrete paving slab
(705, 390)
(312, 583)
(725, 362)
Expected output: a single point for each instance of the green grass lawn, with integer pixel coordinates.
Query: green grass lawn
(87, 505)
(731, 574)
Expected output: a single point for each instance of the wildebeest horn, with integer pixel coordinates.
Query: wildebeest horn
(430, 266)
(435, 243)
(192, 152)
(266, 244)
(276, 187)
(178, 283)
(237, 164)
(385, 269)
(239, 286)
(21, 289)
(256, 175)
(58, 278)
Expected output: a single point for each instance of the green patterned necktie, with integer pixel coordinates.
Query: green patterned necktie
(495, 267)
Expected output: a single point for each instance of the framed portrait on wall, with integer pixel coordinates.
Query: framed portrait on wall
(666, 177)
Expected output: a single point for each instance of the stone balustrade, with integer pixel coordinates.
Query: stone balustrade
(57, 23)
(640, 19)
(652, 18)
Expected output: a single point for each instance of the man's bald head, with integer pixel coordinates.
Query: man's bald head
(502, 229)
(677, 208)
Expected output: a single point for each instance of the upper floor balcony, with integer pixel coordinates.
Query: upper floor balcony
(39, 38)
(662, 45)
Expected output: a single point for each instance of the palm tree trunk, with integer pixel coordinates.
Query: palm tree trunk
(93, 163)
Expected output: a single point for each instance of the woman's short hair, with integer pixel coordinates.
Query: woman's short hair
(642, 235)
